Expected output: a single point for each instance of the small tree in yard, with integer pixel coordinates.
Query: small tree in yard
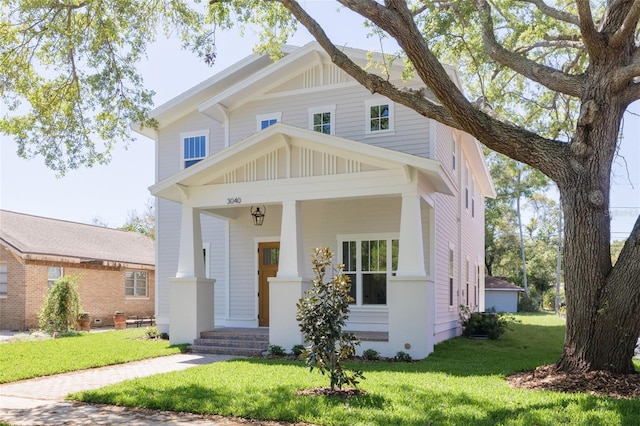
(62, 305)
(322, 314)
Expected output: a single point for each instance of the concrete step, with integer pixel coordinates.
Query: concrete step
(219, 350)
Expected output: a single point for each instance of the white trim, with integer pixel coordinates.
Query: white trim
(331, 109)
(270, 116)
(375, 101)
(183, 135)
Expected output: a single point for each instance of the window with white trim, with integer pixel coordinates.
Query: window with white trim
(379, 116)
(195, 147)
(453, 154)
(369, 261)
(53, 273)
(467, 283)
(4, 279)
(135, 283)
(321, 119)
(265, 120)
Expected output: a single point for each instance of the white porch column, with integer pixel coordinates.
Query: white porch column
(190, 293)
(410, 294)
(286, 288)
(411, 252)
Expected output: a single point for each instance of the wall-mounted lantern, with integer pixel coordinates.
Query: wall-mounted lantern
(258, 214)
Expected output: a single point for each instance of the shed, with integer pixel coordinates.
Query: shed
(501, 295)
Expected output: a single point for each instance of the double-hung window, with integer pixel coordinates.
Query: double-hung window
(53, 273)
(369, 262)
(4, 279)
(379, 116)
(321, 119)
(265, 120)
(194, 147)
(135, 283)
(451, 271)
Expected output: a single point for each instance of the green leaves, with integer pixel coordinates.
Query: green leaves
(62, 305)
(322, 314)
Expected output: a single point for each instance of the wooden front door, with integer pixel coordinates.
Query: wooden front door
(268, 255)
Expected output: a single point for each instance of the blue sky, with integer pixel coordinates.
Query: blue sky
(110, 192)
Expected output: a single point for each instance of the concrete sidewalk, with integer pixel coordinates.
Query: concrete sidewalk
(40, 401)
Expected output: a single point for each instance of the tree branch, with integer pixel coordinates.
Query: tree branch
(628, 26)
(587, 27)
(551, 78)
(624, 75)
(553, 13)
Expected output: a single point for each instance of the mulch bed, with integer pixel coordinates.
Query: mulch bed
(603, 383)
(344, 393)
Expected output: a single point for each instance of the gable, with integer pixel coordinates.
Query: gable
(317, 75)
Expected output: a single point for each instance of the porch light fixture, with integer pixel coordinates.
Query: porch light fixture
(258, 215)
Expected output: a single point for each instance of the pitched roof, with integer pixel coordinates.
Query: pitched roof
(35, 237)
(500, 283)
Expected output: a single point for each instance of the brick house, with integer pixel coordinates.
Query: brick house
(116, 268)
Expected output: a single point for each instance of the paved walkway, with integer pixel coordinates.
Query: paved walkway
(40, 401)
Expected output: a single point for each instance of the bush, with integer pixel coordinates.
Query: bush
(153, 333)
(402, 356)
(297, 350)
(276, 350)
(371, 355)
(484, 324)
(62, 306)
(528, 304)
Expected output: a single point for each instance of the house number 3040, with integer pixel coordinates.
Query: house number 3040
(236, 200)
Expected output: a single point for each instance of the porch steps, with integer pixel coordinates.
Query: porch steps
(232, 341)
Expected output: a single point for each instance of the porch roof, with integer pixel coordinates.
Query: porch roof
(285, 154)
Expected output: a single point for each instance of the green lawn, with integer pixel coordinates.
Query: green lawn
(27, 359)
(461, 383)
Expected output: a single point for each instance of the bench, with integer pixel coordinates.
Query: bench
(138, 321)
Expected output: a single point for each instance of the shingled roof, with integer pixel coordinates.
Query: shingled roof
(41, 238)
(500, 283)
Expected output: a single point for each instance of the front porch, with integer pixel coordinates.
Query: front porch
(242, 341)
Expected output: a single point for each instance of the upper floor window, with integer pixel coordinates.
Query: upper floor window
(3, 279)
(135, 283)
(194, 147)
(379, 116)
(451, 271)
(321, 119)
(266, 120)
(368, 264)
(53, 273)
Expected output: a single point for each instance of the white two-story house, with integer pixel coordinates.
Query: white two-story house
(266, 160)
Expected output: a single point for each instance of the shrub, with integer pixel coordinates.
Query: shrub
(402, 356)
(528, 303)
(486, 324)
(322, 314)
(297, 350)
(276, 350)
(153, 333)
(371, 355)
(62, 306)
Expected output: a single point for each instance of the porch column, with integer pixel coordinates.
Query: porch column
(191, 293)
(410, 294)
(286, 288)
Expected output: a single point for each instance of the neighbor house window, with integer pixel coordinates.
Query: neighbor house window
(53, 273)
(451, 268)
(135, 284)
(321, 119)
(369, 262)
(379, 116)
(3, 279)
(194, 147)
(266, 120)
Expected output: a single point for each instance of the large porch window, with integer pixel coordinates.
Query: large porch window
(368, 262)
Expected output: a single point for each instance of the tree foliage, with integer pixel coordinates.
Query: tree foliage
(322, 314)
(62, 305)
(68, 72)
(144, 223)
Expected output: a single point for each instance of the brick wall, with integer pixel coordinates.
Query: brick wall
(102, 292)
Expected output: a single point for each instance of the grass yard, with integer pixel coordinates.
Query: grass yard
(461, 383)
(27, 359)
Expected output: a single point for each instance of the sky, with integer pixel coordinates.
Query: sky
(109, 193)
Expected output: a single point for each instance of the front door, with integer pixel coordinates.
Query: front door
(268, 255)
